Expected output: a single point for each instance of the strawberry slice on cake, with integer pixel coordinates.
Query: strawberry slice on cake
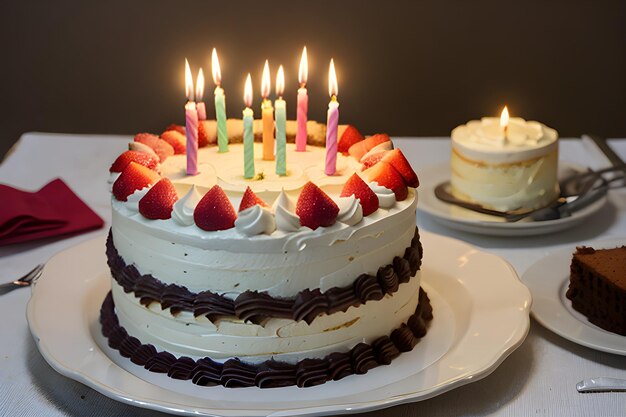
(250, 199)
(367, 198)
(150, 161)
(163, 149)
(134, 177)
(386, 175)
(215, 211)
(159, 200)
(315, 208)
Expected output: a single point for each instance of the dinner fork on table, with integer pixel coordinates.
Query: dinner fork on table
(24, 281)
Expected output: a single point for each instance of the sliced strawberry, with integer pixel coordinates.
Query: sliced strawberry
(361, 148)
(178, 128)
(163, 149)
(142, 158)
(397, 159)
(134, 177)
(357, 187)
(203, 136)
(372, 159)
(358, 150)
(215, 211)
(349, 137)
(250, 199)
(140, 147)
(385, 146)
(159, 200)
(176, 139)
(315, 208)
(386, 175)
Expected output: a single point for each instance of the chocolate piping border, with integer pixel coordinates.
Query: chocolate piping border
(256, 306)
(271, 373)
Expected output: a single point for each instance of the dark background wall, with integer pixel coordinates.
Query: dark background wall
(404, 67)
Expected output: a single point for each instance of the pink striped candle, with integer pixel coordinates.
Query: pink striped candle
(303, 104)
(200, 107)
(191, 132)
(332, 122)
(191, 124)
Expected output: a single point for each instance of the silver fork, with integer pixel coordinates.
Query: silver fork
(24, 281)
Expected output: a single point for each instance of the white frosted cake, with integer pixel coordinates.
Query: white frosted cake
(314, 278)
(516, 172)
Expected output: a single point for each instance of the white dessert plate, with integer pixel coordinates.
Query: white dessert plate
(481, 315)
(470, 221)
(548, 280)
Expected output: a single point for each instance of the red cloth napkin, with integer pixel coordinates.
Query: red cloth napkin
(52, 211)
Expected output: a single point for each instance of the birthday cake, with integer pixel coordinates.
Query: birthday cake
(278, 280)
(507, 170)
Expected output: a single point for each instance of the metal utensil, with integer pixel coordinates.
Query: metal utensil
(610, 154)
(24, 281)
(601, 384)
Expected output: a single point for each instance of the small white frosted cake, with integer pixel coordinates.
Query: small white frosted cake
(516, 172)
(314, 278)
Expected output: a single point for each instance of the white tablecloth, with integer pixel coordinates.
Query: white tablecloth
(538, 379)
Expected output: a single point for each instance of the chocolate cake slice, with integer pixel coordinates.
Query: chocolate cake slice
(597, 286)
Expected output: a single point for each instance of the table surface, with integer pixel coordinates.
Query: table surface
(537, 379)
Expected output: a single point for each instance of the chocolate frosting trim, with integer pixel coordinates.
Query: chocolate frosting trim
(269, 374)
(256, 306)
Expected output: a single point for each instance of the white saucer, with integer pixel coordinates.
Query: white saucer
(466, 220)
(481, 314)
(548, 280)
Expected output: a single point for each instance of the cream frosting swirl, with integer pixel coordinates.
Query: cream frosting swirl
(386, 197)
(255, 220)
(286, 219)
(132, 202)
(182, 212)
(350, 210)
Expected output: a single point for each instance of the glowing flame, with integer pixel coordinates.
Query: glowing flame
(247, 91)
(265, 81)
(188, 81)
(504, 118)
(333, 88)
(280, 81)
(215, 68)
(303, 72)
(200, 85)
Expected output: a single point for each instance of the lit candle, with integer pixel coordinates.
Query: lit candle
(220, 104)
(332, 122)
(248, 133)
(191, 124)
(303, 103)
(281, 124)
(200, 107)
(267, 116)
(504, 123)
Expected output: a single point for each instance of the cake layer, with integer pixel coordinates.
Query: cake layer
(255, 306)
(529, 184)
(270, 373)
(281, 264)
(597, 287)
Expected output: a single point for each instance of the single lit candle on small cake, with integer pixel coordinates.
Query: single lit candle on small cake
(505, 163)
(332, 121)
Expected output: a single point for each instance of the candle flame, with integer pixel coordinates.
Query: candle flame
(215, 68)
(303, 72)
(333, 88)
(247, 91)
(200, 85)
(280, 81)
(504, 118)
(265, 81)
(188, 81)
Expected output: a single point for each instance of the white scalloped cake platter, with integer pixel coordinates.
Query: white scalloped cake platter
(481, 315)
